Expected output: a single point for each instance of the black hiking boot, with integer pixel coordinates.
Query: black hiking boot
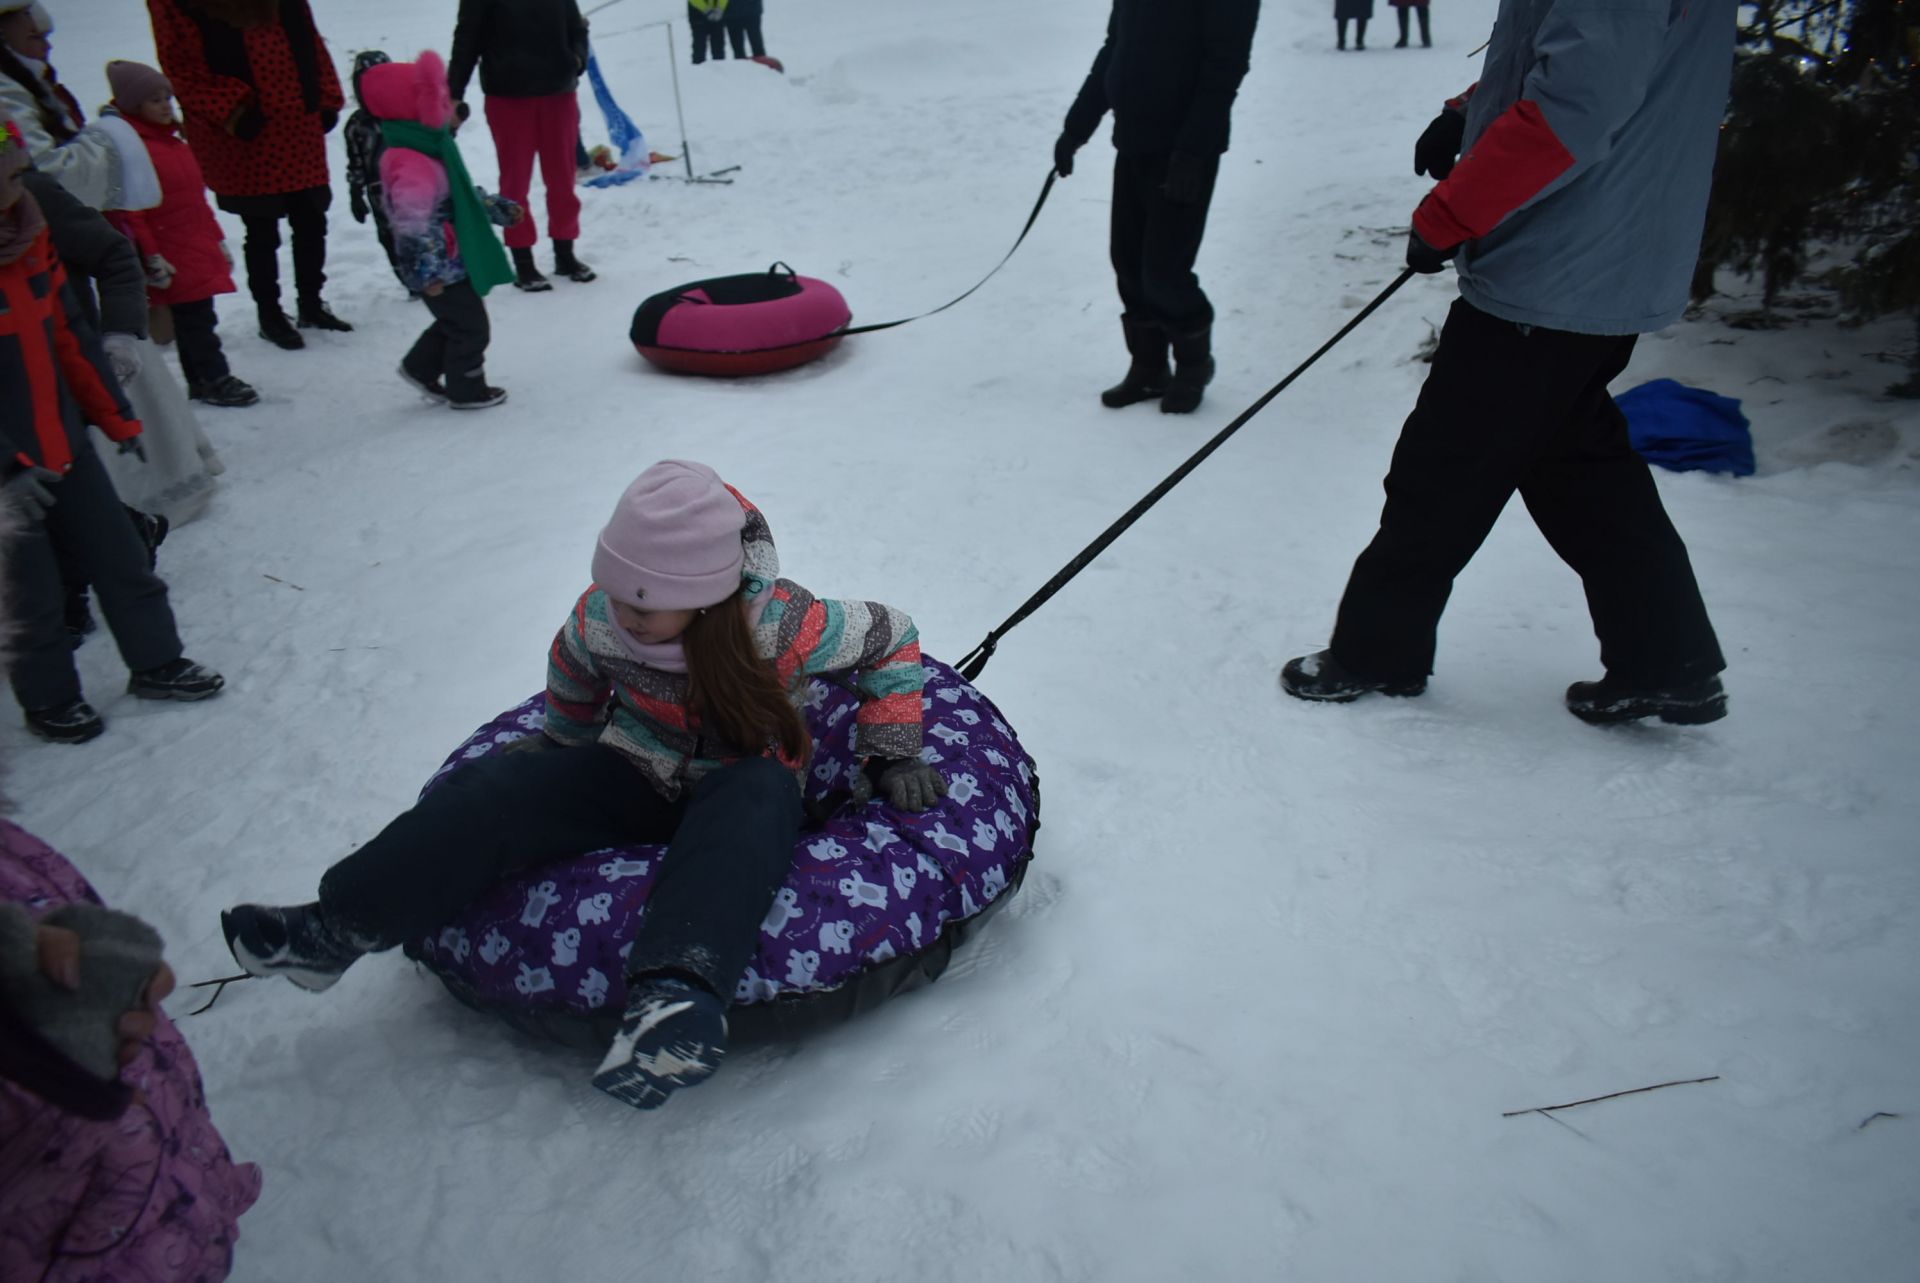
(1608, 701)
(182, 679)
(70, 723)
(292, 941)
(1192, 371)
(1147, 377)
(1322, 678)
(565, 264)
(674, 1035)
(315, 315)
(526, 276)
(276, 329)
(224, 391)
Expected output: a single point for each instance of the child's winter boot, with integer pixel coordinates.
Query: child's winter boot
(1610, 700)
(1147, 376)
(480, 398)
(73, 722)
(525, 275)
(1192, 371)
(674, 1035)
(292, 941)
(565, 264)
(182, 679)
(1323, 679)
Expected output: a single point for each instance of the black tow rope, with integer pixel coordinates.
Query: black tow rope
(1045, 189)
(976, 659)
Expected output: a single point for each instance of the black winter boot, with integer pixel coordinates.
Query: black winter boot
(1684, 704)
(1325, 680)
(565, 264)
(315, 315)
(74, 722)
(225, 390)
(292, 941)
(1192, 371)
(525, 275)
(276, 329)
(674, 1035)
(182, 679)
(1147, 376)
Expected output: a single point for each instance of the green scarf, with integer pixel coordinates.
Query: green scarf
(480, 249)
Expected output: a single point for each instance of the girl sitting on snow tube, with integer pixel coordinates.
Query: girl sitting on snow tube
(676, 663)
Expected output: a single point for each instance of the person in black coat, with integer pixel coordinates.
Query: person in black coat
(743, 27)
(1169, 74)
(531, 55)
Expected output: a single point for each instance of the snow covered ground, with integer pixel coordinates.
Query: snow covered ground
(1278, 970)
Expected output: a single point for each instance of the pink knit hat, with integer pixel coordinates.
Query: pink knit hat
(135, 82)
(674, 540)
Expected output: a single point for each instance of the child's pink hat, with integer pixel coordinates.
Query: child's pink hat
(135, 82)
(674, 540)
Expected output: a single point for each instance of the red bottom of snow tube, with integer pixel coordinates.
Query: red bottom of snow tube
(740, 325)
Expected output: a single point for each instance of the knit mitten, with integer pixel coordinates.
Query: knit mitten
(118, 956)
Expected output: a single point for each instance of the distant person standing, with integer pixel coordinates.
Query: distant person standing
(706, 18)
(259, 94)
(1169, 73)
(742, 22)
(1359, 13)
(1400, 8)
(531, 55)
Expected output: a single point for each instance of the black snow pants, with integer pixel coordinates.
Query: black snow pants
(1510, 408)
(196, 335)
(1155, 241)
(306, 215)
(729, 844)
(91, 529)
(709, 37)
(454, 347)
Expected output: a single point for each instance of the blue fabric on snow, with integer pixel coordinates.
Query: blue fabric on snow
(621, 131)
(1687, 429)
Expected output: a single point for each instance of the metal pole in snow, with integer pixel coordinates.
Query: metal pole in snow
(686, 152)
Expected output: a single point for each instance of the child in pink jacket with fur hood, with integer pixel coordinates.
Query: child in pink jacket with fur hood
(442, 230)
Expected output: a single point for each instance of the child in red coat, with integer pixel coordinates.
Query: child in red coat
(180, 241)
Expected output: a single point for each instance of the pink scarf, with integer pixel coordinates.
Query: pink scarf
(671, 656)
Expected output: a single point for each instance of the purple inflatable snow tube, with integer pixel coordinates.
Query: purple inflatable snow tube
(875, 903)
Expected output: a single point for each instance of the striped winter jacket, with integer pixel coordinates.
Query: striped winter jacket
(597, 692)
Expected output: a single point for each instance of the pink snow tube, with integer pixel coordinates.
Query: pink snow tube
(737, 325)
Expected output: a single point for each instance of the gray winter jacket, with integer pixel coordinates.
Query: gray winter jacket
(1582, 189)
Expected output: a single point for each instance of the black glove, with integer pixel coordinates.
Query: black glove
(133, 447)
(1439, 147)
(461, 111)
(247, 124)
(1063, 149)
(27, 490)
(328, 119)
(1424, 258)
(1186, 179)
(357, 206)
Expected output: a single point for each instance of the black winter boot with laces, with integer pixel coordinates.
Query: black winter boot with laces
(294, 941)
(182, 679)
(74, 722)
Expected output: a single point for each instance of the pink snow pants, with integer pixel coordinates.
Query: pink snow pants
(547, 127)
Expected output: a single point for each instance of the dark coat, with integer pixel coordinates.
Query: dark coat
(96, 255)
(1169, 73)
(525, 48)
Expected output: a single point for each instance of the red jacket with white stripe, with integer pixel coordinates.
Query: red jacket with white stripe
(51, 385)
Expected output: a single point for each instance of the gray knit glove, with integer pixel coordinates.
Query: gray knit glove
(28, 491)
(910, 785)
(119, 955)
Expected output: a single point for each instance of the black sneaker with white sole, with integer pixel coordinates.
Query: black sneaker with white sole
(674, 1035)
(74, 722)
(1322, 678)
(485, 397)
(182, 679)
(291, 940)
(1608, 701)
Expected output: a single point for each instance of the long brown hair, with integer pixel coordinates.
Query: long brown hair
(733, 690)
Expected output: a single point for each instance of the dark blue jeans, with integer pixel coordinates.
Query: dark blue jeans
(729, 843)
